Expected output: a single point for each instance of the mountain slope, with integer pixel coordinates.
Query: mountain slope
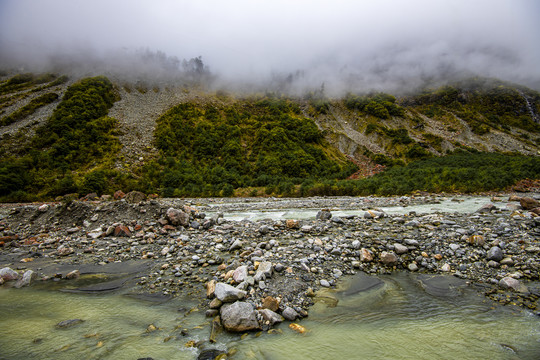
(188, 142)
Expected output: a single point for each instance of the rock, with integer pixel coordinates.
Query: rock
(292, 224)
(90, 196)
(263, 230)
(26, 279)
(8, 274)
(298, 328)
(215, 303)
(476, 240)
(122, 231)
(290, 314)
(528, 203)
(43, 208)
(239, 316)
(264, 271)
(165, 251)
(507, 261)
(211, 354)
(323, 215)
(68, 323)
(412, 267)
(177, 217)
(324, 283)
(511, 283)
(237, 244)
(445, 268)
(356, 244)
(94, 234)
(400, 249)
(210, 288)
(372, 214)
(388, 258)
(270, 303)
(365, 255)
(240, 274)
(337, 220)
(118, 195)
(306, 228)
(270, 317)
(228, 293)
(64, 251)
(495, 254)
(135, 197)
(487, 208)
(73, 274)
(454, 247)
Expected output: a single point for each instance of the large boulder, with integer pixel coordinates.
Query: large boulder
(388, 258)
(529, 203)
(240, 274)
(228, 293)
(8, 274)
(270, 317)
(135, 197)
(239, 316)
(323, 215)
(26, 279)
(177, 217)
(513, 284)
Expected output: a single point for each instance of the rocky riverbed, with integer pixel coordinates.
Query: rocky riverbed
(252, 274)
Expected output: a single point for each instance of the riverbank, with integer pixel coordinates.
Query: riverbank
(169, 247)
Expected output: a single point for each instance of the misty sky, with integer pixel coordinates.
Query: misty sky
(352, 44)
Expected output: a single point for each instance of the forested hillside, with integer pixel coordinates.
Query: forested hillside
(58, 138)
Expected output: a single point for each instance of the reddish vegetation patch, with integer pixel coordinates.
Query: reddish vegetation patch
(366, 167)
(526, 185)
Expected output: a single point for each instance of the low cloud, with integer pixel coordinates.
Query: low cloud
(290, 45)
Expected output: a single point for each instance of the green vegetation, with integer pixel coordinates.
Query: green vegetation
(483, 103)
(379, 105)
(21, 82)
(210, 151)
(29, 109)
(77, 137)
(460, 172)
(261, 145)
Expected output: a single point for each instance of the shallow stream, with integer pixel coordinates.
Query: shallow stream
(459, 204)
(405, 316)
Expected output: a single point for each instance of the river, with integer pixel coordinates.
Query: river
(405, 316)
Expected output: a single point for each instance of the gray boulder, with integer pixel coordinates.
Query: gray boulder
(8, 274)
(270, 317)
(323, 214)
(228, 293)
(27, 279)
(177, 217)
(264, 271)
(400, 249)
(239, 316)
(388, 258)
(290, 314)
(495, 253)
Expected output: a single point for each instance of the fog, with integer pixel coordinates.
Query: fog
(291, 46)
